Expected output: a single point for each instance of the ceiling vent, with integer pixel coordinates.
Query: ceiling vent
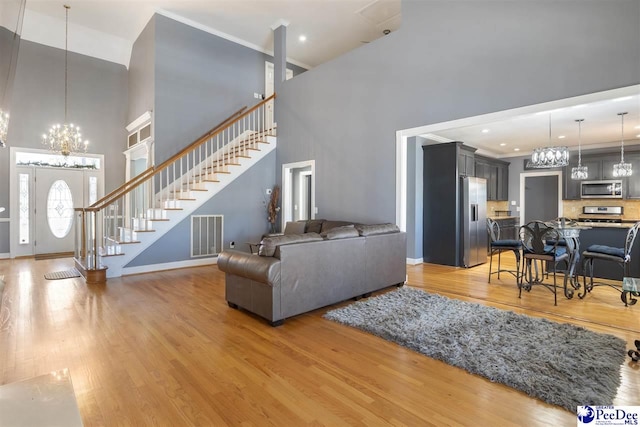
(380, 11)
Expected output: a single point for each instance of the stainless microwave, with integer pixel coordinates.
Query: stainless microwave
(605, 189)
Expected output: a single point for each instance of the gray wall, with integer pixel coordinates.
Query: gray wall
(9, 48)
(415, 196)
(200, 79)
(448, 61)
(97, 102)
(245, 217)
(141, 78)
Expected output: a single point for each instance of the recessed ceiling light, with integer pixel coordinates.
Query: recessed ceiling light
(637, 127)
(624, 98)
(302, 38)
(561, 137)
(637, 136)
(502, 144)
(516, 149)
(485, 130)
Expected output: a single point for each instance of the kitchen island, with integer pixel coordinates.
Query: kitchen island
(609, 234)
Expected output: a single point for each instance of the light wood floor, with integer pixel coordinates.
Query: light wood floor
(164, 349)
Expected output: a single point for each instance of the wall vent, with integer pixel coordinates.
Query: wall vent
(206, 235)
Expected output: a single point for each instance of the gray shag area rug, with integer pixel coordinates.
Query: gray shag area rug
(558, 363)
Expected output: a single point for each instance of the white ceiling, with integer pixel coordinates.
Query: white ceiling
(518, 132)
(332, 27)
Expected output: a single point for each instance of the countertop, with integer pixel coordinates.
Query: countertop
(624, 225)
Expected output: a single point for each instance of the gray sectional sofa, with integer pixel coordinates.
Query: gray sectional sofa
(331, 261)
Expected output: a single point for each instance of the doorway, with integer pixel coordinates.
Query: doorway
(45, 189)
(298, 191)
(540, 196)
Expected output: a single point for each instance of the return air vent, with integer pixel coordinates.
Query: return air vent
(206, 235)
(380, 11)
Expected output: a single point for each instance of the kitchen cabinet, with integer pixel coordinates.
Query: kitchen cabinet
(633, 182)
(496, 172)
(444, 165)
(601, 167)
(570, 186)
(509, 227)
(466, 161)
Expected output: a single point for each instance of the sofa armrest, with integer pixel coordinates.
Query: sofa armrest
(257, 268)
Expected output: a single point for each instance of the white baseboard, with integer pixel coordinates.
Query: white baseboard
(5, 255)
(414, 261)
(169, 266)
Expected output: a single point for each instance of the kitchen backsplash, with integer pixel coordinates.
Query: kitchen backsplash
(573, 208)
(494, 206)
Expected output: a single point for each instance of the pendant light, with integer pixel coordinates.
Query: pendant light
(622, 169)
(579, 172)
(549, 157)
(65, 139)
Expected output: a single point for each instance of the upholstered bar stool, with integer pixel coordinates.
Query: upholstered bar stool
(602, 253)
(497, 246)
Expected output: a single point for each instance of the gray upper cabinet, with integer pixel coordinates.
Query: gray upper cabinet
(466, 161)
(496, 172)
(601, 167)
(633, 184)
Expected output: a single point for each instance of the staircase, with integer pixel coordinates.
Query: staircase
(113, 231)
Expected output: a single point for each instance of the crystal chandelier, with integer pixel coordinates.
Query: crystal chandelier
(13, 59)
(622, 169)
(549, 157)
(579, 172)
(65, 139)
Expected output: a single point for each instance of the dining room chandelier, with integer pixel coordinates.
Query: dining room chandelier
(622, 169)
(579, 172)
(549, 157)
(65, 139)
(10, 74)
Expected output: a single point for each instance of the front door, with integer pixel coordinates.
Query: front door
(57, 193)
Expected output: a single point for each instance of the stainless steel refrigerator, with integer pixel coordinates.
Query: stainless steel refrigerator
(474, 221)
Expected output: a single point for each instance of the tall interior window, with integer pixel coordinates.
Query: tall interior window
(23, 208)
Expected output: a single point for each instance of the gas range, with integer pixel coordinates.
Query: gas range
(602, 210)
(600, 220)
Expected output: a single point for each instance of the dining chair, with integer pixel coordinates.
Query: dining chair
(497, 246)
(621, 256)
(540, 242)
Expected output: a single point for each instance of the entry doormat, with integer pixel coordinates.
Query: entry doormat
(66, 274)
(561, 364)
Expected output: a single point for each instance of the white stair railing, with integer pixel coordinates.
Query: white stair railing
(107, 226)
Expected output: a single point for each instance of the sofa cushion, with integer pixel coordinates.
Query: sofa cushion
(268, 245)
(343, 232)
(328, 225)
(373, 229)
(314, 226)
(297, 227)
